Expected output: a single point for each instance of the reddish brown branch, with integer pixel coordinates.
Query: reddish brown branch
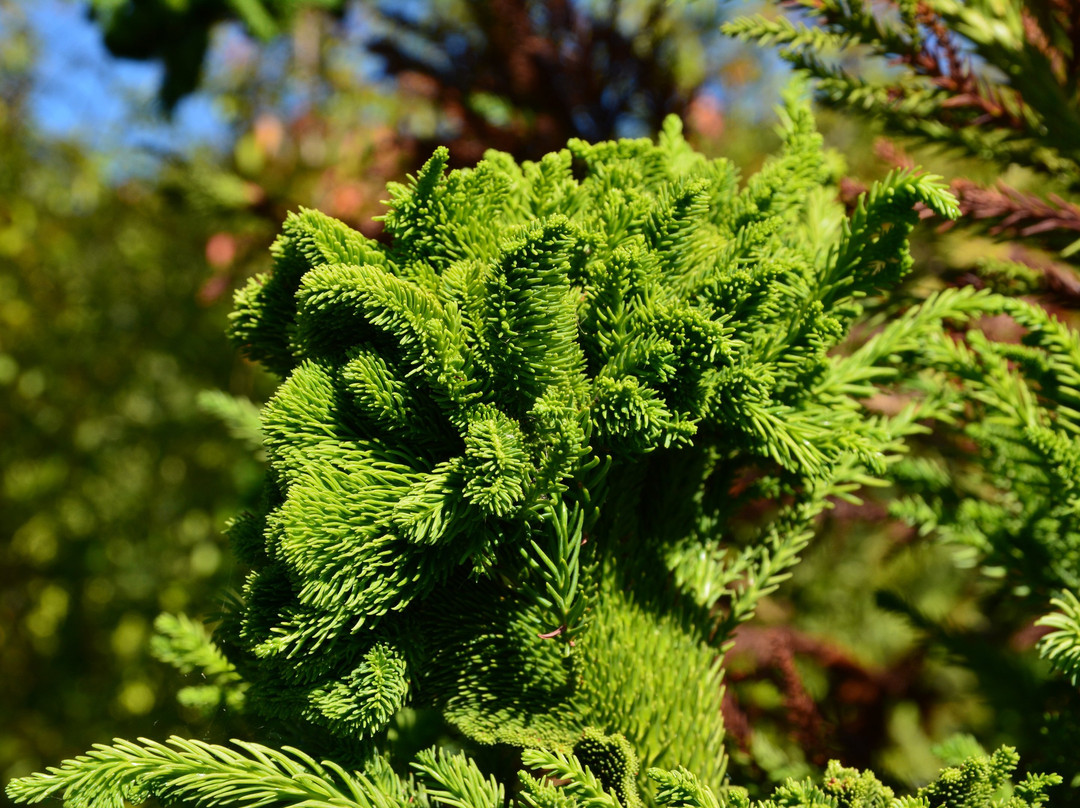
(850, 720)
(943, 62)
(1005, 211)
(1017, 213)
(1062, 283)
(561, 71)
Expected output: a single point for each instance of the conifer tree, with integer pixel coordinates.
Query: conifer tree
(535, 458)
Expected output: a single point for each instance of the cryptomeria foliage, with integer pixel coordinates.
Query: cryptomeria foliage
(533, 461)
(997, 84)
(994, 81)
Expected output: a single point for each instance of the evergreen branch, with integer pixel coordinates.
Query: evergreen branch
(855, 374)
(409, 217)
(577, 779)
(992, 80)
(1062, 645)
(974, 782)
(882, 37)
(870, 254)
(454, 780)
(559, 572)
(363, 702)
(789, 437)
(186, 645)
(261, 324)
(681, 789)
(1009, 213)
(204, 775)
(239, 414)
(615, 763)
(781, 31)
(769, 564)
(707, 572)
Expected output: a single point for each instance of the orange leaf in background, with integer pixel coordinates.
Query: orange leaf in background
(706, 117)
(213, 289)
(220, 250)
(347, 201)
(269, 134)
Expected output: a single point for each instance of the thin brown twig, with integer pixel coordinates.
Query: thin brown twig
(855, 716)
(1017, 214)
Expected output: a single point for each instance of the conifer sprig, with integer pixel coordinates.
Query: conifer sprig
(202, 774)
(455, 781)
(1062, 645)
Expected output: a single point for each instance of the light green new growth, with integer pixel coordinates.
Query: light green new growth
(187, 646)
(534, 460)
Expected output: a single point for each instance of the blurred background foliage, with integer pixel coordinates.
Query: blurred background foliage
(115, 485)
(118, 257)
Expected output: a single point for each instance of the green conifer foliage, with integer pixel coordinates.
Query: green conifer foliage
(532, 462)
(200, 774)
(535, 340)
